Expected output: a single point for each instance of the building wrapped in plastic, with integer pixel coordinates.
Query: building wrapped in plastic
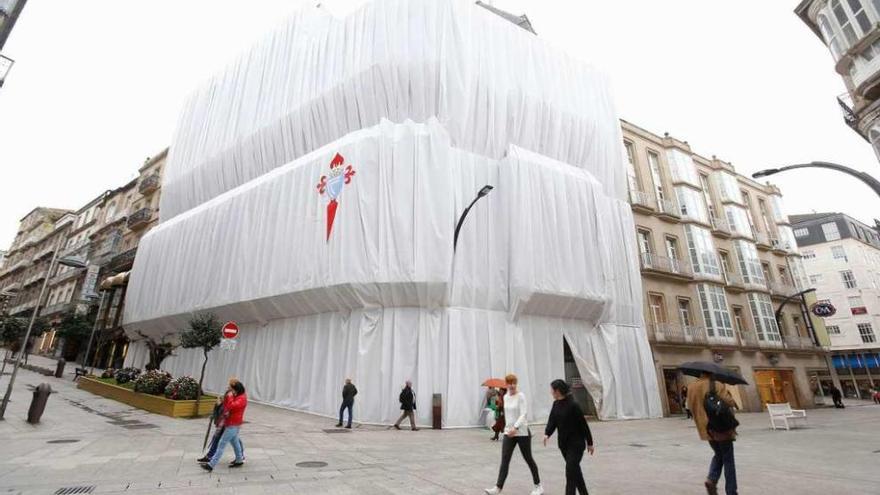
(312, 191)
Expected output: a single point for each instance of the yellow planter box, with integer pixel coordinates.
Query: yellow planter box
(153, 403)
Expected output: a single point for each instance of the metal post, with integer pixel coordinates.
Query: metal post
(9, 23)
(92, 335)
(484, 191)
(30, 327)
(853, 376)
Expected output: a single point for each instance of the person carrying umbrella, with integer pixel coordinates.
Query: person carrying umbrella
(712, 405)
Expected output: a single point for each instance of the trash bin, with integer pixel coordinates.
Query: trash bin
(59, 368)
(38, 403)
(437, 407)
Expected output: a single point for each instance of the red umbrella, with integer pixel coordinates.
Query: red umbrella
(495, 382)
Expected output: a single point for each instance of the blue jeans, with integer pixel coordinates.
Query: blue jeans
(349, 406)
(723, 459)
(230, 435)
(215, 439)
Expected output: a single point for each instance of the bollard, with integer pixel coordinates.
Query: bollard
(59, 368)
(437, 406)
(38, 403)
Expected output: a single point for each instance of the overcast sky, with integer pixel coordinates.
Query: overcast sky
(97, 85)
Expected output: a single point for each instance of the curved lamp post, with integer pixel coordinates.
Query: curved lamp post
(862, 176)
(484, 191)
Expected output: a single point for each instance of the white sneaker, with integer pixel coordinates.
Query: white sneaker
(492, 491)
(539, 490)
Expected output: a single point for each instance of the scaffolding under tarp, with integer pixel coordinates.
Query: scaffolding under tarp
(311, 195)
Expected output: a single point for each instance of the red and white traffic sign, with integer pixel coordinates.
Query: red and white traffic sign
(230, 330)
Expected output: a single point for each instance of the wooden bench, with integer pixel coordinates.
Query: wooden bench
(783, 413)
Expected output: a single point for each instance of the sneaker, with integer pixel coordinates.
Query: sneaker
(348, 426)
(339, 425)
(396, 427)
(203, 459)
(539, 490)
(492, 491)
(415, 429)
(235, 464)
(206, 467)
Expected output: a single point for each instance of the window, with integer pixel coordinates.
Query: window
(855, 301)
(765, 268)
(714, 303)
(691, 204)
(702, 251)
(830, 36)
(801, 232)
(738, 220)
(849, 281)
(672, 253)
(682, 166)
(808, 255)
(738, 319)
(832, 329)
(866, 333)
(838, 253)
(728, 187)
(816, 279)
(631, 176)
(644, 241)
(749, 265)
(654, 165)
(684, 312)
(830, 231)
(725, 262)
(843, 20)
(765, 319)
(658, 309)
(707, 196)
(762, 206)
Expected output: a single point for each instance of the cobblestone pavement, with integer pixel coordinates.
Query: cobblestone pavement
(118, 449)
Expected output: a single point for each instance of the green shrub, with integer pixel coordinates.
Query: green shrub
(126, 375)
(183, 388)
(152, 382)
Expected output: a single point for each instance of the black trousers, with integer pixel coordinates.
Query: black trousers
(574, 477)
(525, 447)
(342, 408)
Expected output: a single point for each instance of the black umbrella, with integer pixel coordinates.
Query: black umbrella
(723, 375)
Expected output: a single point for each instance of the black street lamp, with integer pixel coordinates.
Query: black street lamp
(484, 191)
(804, 310)
(862, 176)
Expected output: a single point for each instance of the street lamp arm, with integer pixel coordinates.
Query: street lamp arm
(862, 176)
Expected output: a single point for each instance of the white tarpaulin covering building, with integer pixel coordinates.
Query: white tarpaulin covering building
(311, 195)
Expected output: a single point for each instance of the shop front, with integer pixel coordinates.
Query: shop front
(776, 386)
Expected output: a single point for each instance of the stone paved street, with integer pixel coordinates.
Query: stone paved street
(837, 453)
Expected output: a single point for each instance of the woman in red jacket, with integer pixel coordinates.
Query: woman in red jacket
(233, 407)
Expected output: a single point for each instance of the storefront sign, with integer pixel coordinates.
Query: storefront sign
(823, 309)
(860, 310)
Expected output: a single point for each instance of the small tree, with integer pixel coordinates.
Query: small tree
(159, 349)
(12, 330)
(205, 333)
(74, 328)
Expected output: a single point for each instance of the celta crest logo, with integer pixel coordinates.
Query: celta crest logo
(332, 184)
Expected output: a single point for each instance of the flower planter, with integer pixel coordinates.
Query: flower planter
(153, 403)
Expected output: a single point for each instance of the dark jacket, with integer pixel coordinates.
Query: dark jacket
(567, 416)
(348, 393)
(407, 399)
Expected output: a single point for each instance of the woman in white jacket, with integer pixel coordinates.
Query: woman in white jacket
(516, 432)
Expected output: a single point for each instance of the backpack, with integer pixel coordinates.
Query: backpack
(720, 414)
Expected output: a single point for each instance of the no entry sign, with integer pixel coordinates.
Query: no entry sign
(230, 330)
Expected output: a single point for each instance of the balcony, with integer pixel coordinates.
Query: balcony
(770, 344)
(720, 227)
(763, 241)
(780, 246)
(667, 333)
(782, 289)
(67, 275)
(122, 262)
(140, 218)
(44, 253)
(149, 184)
(667, 210)
(747, 339)
(20, 264)
(661, 265)
(641, 201)
(734, 281)
(849, 116)
(57, 308)
(35, 279)
(798, 342)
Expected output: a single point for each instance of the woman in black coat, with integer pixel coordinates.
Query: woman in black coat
(574, 435)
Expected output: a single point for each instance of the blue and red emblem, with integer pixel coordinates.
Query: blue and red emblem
(340, 175)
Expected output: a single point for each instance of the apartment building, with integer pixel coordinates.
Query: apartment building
(842, 261)
(718, 257)
(851, 31)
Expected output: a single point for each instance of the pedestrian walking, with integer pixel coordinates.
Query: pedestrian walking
(516, 433)
(234, 405)
(348, 393)
(218, 416)
(716, 424)
(837, 397)
(684, 396)
(498, 427)
(408, 406)
(574, 435)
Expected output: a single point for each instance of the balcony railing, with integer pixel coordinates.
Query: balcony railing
(798, 342)
(149, 184)
(770, 344)
(849, 116)
(762, 239)
(39, 277)
(782, 289)
(44, 253)
(122, 261)
(140, 218)
(676, 334)
(667, 207)
(734, 279)
(654, 262)
(720, 226)
(640, 198)
(747, 339)
(66, 275)
(108, 247)
(57, 308)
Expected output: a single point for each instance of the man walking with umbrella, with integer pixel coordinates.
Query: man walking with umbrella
(712, 405)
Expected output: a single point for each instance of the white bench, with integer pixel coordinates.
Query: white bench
(783, 413)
